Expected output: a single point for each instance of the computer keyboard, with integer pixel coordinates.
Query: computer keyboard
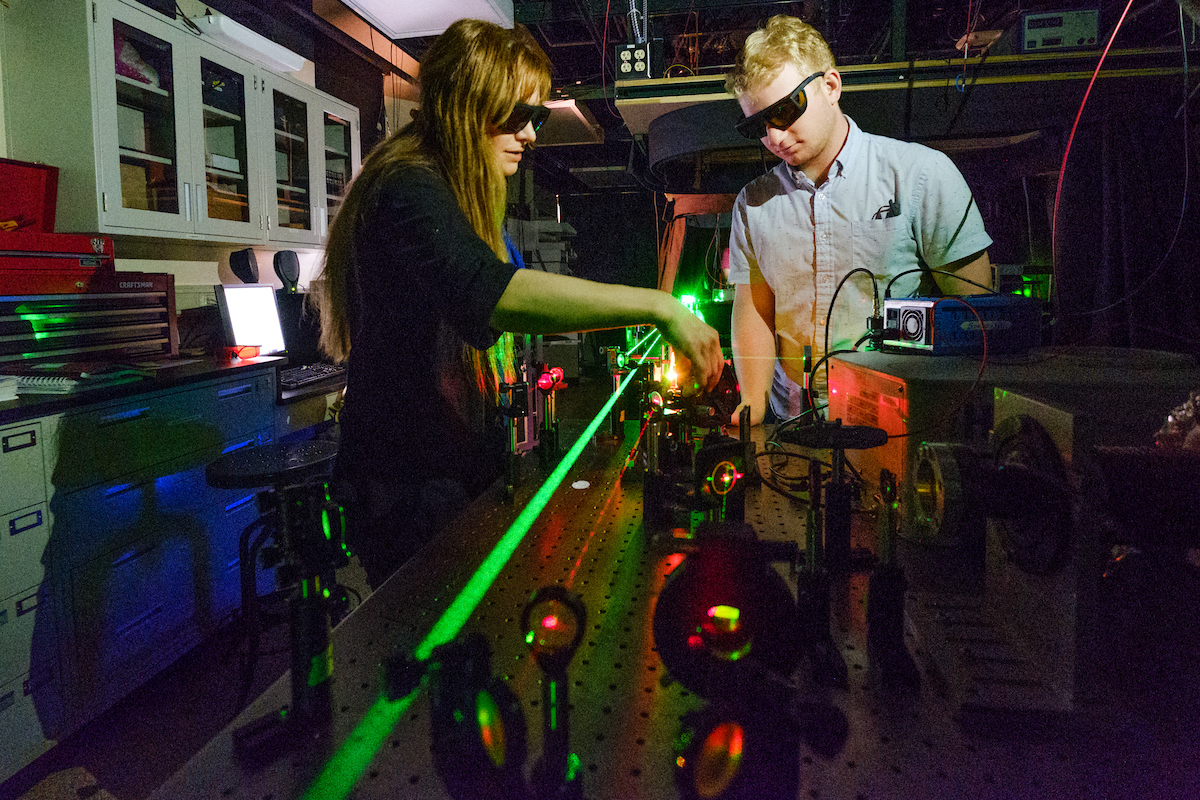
(295, 377)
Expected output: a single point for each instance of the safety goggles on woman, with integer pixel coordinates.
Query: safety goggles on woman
(523, 114)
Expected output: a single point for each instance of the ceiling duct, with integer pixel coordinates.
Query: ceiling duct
(604, 177)
(408, 19)
(569, 123)
(695, 150)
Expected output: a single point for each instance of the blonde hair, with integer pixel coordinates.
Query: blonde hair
(781, 41)
(470, 80)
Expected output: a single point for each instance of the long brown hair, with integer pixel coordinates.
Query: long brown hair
(470, 80)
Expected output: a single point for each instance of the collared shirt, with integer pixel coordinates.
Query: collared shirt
(886, 207)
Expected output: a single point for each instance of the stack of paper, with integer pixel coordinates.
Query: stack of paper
(8, 388)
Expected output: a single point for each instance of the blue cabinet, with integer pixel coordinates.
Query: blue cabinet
(116, 556)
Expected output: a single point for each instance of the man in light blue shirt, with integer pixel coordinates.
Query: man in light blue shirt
(841, 200)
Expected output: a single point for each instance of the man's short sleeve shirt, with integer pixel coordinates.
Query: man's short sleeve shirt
(886, 207)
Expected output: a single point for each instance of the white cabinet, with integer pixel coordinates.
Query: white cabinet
(115, 554)
(160, 132)
(30, 693)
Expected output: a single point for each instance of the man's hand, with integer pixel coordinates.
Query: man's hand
(756, 414)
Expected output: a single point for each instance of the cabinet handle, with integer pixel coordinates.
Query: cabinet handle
(8, 700)
(242, 503)
(131, 554)
(187, 202)
(123, 416)
(25, 522)
(27, 604)
(239, 446)
(123, 488)
(133, 623)
(19, 441)
(234, 391)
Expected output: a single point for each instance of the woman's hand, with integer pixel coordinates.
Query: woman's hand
(697, 346)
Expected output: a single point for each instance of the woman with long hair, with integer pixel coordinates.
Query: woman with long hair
(417, 288)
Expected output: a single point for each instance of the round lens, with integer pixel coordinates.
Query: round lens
(553, 627)
(719, 758)
(725, 633)
(491, 727)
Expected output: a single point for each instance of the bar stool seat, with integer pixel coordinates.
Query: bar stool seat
(271, 465)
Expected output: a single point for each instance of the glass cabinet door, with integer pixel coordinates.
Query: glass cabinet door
(143, 180)
(223, 93)
(229, 201)
(292, 219)
(339, 163)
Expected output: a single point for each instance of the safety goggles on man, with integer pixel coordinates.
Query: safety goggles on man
(780, 114)
(523, 114)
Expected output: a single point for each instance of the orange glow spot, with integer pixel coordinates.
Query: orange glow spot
(719, 759)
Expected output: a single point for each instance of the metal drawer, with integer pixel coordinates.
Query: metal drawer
(132, 617)
(24, 534)
(29, 704)
(22, 473)
(105, 443)
(19, 615)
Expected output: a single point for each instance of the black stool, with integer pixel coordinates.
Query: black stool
(309, 537)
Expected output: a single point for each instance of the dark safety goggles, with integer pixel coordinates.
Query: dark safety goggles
(780, 114)
(523, 114)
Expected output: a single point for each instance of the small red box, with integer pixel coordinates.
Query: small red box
(55, 263)
(28, 196)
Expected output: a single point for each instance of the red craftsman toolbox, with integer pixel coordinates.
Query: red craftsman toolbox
(54, 263)
(28, 196)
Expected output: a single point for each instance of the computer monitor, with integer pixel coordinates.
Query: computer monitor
(301, 328)
(250, 317)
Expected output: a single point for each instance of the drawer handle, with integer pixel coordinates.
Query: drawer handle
(133, 623)
(186, 420)
(27, 604)
(234, 391)
(25, 522)
(7, 701)
(238, 446)
(242, 503)
(123, 416)
(19, 441)
(130, 555)
(122, 488)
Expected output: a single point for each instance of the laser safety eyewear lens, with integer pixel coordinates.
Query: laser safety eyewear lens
(523, 114)
(780, 114)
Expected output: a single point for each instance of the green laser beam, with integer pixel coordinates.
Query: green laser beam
(451, 622)
(347, 765)
(649, 337)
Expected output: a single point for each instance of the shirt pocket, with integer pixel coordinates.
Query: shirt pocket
(877, 245)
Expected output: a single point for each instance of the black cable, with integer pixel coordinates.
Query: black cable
(1187, 157)
(829, 314)
(188, 21)
(983, 362)
(887, 292)
(827, 356)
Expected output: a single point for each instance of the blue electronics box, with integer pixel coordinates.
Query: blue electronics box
(958, 325)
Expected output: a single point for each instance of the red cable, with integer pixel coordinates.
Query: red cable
(1063, 169)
